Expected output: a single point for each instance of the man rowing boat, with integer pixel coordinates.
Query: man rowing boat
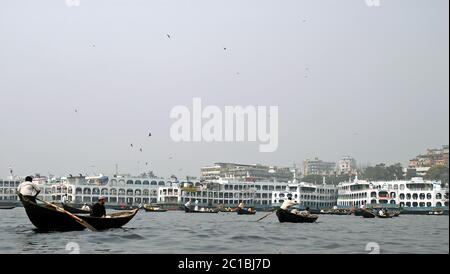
(29, 189)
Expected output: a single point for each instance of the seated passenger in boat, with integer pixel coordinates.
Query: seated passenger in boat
(86, 207)
(98, 210)
(188, 204)
(381, 212)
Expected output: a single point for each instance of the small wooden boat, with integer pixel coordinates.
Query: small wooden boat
(396, 214)
(367, 214)
(241, 211)
(359, 212)
(190, 210)
(47, 218)
(285, 216)
(387, 215)
(75, 210)
(7, 206)
(154, 209)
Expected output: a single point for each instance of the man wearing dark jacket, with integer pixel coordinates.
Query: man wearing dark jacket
(98, 209)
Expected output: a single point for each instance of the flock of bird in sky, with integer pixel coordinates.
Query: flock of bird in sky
(169, 36)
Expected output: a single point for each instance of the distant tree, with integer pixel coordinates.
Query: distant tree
(438, 173)
(381, 172)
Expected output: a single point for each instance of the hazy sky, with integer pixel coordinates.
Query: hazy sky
(377, 85)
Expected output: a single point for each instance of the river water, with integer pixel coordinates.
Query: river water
(177, 232)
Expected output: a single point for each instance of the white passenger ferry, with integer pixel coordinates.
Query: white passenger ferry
(415, 195)
(8, 197)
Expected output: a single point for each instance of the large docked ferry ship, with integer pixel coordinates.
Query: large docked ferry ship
(417, 195)
(123, 191)
(8, 197)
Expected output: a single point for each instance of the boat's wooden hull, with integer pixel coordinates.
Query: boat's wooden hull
(47, 218)
(367, 214)
(245, 212)
(6, 207)
(155, 210)
(285, 216)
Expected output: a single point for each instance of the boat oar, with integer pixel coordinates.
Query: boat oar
(76, 218)
(267, 215)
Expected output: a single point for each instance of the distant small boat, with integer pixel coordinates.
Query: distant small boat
(241, 211)
(154, 209)
(7, 207)
(285, 216)
(387, 215)
(75, 210)
(190, 210)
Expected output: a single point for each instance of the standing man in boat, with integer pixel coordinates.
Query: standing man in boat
(28, 189)
(98, 209)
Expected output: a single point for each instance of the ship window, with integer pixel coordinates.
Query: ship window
(402, 196)
(415, 196)
(373, 194)
(146, 183)
(122, 182)
(138, 182)
(422, 196)
(373, 201)
(87, 191)
(129, 192)
(429, 196)
(408, 204)
(113, 181)
(439, 204)
(422, 204)
(77, 191)
(86, 199)
(161, 183)
(408, 196)
(438, 196)
(428, 204)
(96, 191)
(104, 191)
(392, 202)
(395, 187)
(402, 187)
(154, 183)
(129, 182)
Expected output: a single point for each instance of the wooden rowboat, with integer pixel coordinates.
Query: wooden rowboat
(241, 211)
(47, 218)
(285, 216)
(154, 209)
(190, 210)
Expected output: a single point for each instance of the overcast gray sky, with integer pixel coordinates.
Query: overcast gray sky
(377, 85)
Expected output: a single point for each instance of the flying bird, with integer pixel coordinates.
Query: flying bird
(224, 48)
(150, 134)
(140, 149)
(168, 36)
(131, 145)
